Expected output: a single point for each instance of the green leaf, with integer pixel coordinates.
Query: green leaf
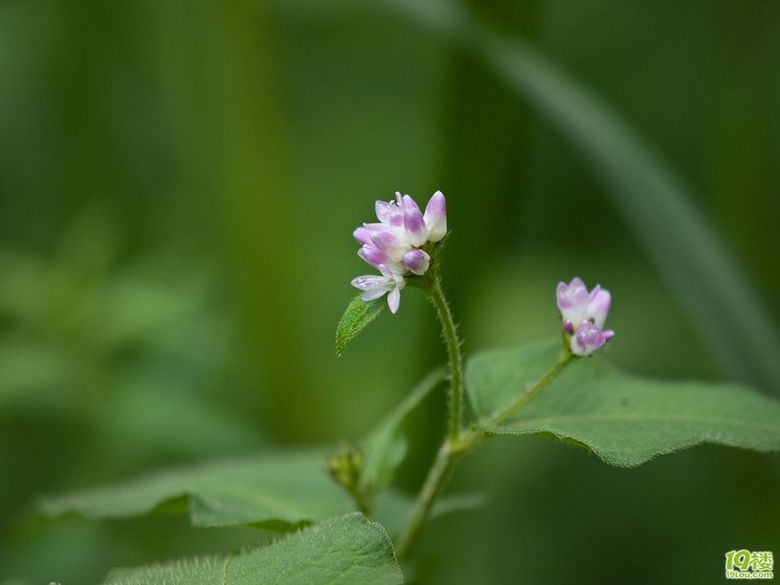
(654, 201)
(358, 315)
(341, 551)
(623, 419)
(276, 491)
(385, 448)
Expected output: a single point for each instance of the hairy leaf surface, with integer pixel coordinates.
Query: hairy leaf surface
(356, 318)
(341, 551)
(624, 419)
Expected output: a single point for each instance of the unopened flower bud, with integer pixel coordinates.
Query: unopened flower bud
(588, 338)
(417, 261)
(372, 255)
(345, 466)
(436, 217)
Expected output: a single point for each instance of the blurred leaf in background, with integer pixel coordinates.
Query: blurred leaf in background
(109, 365)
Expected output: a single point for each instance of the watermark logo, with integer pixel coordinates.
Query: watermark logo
(745, 564)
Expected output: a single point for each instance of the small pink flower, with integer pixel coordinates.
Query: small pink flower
(394, 244)
(589, 338)
(584, 314)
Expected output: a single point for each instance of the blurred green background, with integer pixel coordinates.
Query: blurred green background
(178, 186)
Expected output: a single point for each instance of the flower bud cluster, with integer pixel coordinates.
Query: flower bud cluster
(395, 244)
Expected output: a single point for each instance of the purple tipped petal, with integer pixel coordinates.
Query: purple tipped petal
(417, 261)
(436, 217)
(385, 241)
(362, 235)
(562, 296)
(598, 307)
(383, 211)
(572, 300)
(572, 295)
(392, 244)
(589, 338)
(568, 327)
(372, 255)
(409, 203)
(437, 205)
(577, 304)
(389, 213)
(414, 224)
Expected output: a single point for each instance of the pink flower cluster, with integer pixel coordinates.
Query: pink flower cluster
(395, 244)
(584, 314)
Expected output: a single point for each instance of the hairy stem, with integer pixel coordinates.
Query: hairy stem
(450, 334)
(434, 483)
(442, 465)
(453, 448)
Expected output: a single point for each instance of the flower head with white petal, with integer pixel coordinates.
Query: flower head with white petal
(399, 245)
(584, 314)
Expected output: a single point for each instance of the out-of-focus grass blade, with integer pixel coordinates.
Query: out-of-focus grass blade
(650, 196)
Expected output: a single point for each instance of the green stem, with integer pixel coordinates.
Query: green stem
(474, 437)
(453, 448)
(442, 465)
(450, 334)
(563, 358)
(434, 483)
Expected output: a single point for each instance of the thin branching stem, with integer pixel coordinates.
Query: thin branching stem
(438, 475)
(452, 342)
(452, 449)
(513, 407)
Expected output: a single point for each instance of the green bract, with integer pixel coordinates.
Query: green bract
(357, 316)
